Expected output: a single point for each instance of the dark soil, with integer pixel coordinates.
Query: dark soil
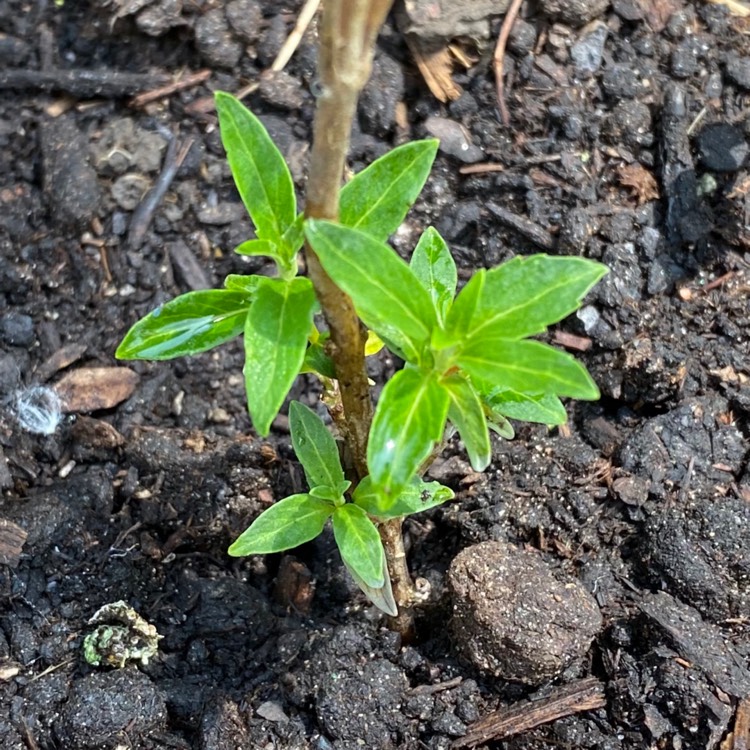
(628, 144)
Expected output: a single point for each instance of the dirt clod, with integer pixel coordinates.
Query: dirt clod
(513, 618)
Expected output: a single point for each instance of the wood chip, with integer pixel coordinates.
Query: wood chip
(585, 695)
(94, 388)
(642, 182)
(61, 359)
(12, 539)
(436, 66)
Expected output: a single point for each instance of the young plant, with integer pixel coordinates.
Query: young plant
(469, 362)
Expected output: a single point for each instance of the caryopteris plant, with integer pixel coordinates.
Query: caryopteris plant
(469, 364)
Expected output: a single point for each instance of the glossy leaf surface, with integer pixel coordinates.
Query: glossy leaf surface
(408, 423)
(287, 524)
(467, 414)
(415, 497)
(189, 324)
(525, 295)
(259, 170)
(376, 200)
(276, 333)
(386, 293)
(432, 263)
(527, 367)
(315, 447)
(359, 543)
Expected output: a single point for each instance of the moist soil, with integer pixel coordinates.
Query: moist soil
(627, 143)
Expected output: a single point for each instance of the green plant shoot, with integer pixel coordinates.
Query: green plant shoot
(469, 359)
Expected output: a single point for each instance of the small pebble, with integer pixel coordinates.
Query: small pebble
(722, 147)
(738, 71)
(588, 52)
(215, 41)
(17, 329)
(454, 140)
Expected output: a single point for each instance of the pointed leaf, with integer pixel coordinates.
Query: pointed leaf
(525, 295)
(458, 322)
(376, 199)
(527, 367)
(317, 361)
(432, 263)
(287, 524)
(415, 497)
(359, 543)
(260, 173)
(257, 247)
(467, 414)
(408, 423)
(387, 295)
(276, 333)
(544, 409)
(380, 596)
(189, 324)
(315, 447)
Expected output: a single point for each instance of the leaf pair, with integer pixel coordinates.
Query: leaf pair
(467, 359)
(300, 518)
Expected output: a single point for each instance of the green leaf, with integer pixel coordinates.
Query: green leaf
(376, 199)
(276, 333)
(317, 361)
(527, 367)
(315, 447)
(290, 522)
(544, 409)
(380, 596)
(525, 295)
(459, 319)
(467, 414)
(260, 173)
(257, 247)
(432, 263)
(408, 423)
(189, 324)
(501, 426)
(386, 293)
(334, 494)
(241, 283)
(415, 497)
(359, 543)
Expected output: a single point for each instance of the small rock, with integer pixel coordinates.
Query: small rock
(129, 189)
(628, 10)
(522, 37)
(738, 71)
(245, 17)
(575, 12)
(159, 18)
(454, 139)
(17, 329)
(14, 51)
(272, 711)
(70, 181)
(102, 705)
(221, 214)
(722, 147)
(513, 618)
(684, 60)
(631, 490)
(588, 52)
(215, 41)
(281, 90)
(620, 81)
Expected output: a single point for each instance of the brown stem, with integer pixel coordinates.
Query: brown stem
(348, 31)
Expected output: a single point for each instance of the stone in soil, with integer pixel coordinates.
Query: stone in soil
(514, 618)
(575, 12)
(105, 709)
(215, 40)
(722, 147)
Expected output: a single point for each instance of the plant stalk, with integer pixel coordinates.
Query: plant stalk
(348, 31)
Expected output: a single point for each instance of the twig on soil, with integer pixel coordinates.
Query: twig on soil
(523, 226)
(498, 60)
(142, 215)
(432, 689)
(585, 695)
(481, 168)
(736, 7)
(739, 738)
(84, 84)
(193, 79)
(292, 41)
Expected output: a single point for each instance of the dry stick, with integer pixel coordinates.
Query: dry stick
(190, 80)
(347, 37)
(584, 695)
(292, 41)
(499, 58)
